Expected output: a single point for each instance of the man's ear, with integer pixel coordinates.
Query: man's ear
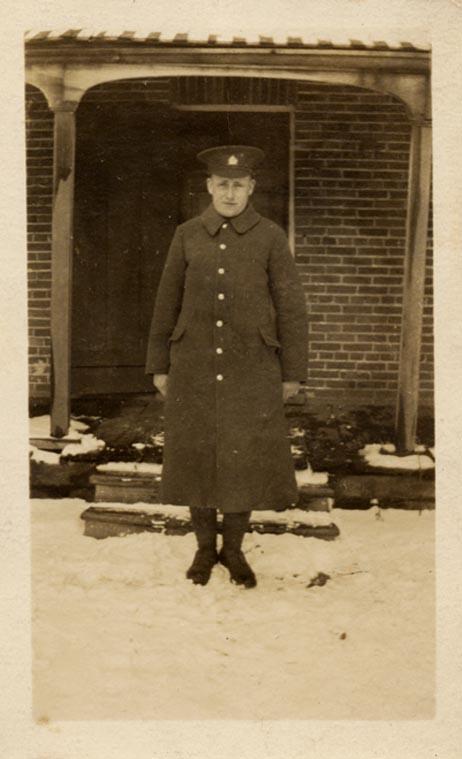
(252, 186)
(209, 185)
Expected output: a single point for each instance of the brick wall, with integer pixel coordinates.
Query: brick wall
(39, 145)
(351, 172)
(427, 359)
(351, 167)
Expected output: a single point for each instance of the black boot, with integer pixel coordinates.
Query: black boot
(231, 556)
(204, 522)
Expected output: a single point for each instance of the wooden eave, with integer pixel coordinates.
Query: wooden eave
(88, 53)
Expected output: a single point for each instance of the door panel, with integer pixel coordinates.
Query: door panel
(126, 219)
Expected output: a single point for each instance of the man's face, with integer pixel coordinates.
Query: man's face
(230, 195)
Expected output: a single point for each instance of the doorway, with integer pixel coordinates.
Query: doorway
(137, 177)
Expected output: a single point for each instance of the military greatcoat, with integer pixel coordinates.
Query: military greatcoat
(229, 325)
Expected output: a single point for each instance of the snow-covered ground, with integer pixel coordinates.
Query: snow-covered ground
(119, 633)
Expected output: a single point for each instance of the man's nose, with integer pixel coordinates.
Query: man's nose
(230, 193)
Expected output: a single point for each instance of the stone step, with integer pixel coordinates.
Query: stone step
(143, 485)
(126, 488)
(117, 520)
(48, 443)
(387, 490)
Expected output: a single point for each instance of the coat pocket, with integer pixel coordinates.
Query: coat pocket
(177, 332)
(268, 338)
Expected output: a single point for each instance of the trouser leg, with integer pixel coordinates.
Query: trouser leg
(204, 522)
(231, 556)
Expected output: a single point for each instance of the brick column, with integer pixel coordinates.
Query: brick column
(61, 256)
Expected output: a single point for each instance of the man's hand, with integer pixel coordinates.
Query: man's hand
(160, 381)
(289, 389)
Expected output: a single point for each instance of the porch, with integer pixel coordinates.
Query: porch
(88, 359)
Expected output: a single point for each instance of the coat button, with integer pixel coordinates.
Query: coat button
(222, 246)
(221, 296)
(219, 323)
(221, 270)
(224, 226)
(219, 350)
(219, 377)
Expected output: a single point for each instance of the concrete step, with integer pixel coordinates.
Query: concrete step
(117, 520)
(143, 485)
(386, 490)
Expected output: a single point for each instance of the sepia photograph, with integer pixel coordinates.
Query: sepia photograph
(231, 371)
(231, 374)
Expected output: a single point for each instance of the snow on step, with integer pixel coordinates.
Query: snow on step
(383, 457)
(39, 427)
(86, 444)
(130, 467)
(76, 442)
(308, 477)
(43, 457)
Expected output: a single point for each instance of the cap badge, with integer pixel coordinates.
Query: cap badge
(233, 160)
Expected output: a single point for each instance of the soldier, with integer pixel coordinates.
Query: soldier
(227, 347)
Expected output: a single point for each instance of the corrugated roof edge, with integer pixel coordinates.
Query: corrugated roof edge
(72, 36)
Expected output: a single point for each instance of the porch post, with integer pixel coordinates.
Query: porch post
(413, 286)
(61, 261)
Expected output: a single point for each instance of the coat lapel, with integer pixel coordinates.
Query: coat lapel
(246, 220)
(211, 220)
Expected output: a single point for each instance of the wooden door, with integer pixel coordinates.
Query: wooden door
(126, 215)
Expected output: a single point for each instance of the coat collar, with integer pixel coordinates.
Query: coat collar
(212, 220)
